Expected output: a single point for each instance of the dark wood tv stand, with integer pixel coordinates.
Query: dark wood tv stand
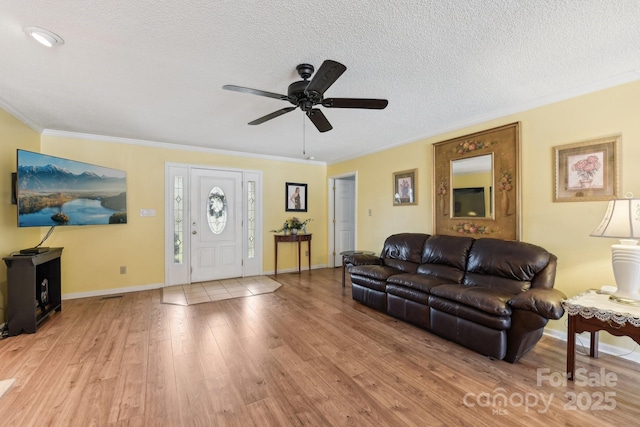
(33, 289)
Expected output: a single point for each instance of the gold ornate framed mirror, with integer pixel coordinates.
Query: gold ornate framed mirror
(477, 184)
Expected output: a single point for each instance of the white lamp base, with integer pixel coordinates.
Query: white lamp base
(626, 269)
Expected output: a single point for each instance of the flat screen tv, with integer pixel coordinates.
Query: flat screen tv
(51, 191)
(469, 202)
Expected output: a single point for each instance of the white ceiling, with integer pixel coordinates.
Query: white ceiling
(154, 70)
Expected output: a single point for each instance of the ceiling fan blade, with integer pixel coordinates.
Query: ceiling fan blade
(255, 92)
(272, 115)
(326, 75)
(372, 104)
(318, 118)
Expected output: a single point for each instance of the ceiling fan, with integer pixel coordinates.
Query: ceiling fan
(308, 93)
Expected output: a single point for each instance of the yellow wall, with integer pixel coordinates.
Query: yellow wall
(93, 254)
(562, 228)
(13, 135)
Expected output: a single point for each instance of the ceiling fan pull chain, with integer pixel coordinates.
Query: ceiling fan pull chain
(304, 137)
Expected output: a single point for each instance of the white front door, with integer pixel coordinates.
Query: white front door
(216, 224)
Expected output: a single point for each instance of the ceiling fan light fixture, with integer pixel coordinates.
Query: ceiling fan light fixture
(44, 37)
(306, 94)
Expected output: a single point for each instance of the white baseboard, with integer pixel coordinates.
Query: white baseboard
(583, 341)
(115, 291)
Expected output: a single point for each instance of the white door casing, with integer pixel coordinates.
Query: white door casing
(237, 250)
(342, 214)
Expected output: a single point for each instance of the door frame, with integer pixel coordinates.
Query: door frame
(331, 209)
(179, 274)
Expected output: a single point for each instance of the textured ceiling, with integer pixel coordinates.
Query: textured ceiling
(154, 70)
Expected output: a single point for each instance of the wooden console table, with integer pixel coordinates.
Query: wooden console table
(293, 238)
(593, 311)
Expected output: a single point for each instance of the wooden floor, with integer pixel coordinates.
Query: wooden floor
(306, 355)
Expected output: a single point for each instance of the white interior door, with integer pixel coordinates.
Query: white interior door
(344, 217)
(216, 224)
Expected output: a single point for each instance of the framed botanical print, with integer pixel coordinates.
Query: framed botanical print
(587, 171)
(404, 188)
(295, 197)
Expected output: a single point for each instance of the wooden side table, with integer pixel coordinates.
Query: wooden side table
(292, 238)
(345, 254)
(593, 311)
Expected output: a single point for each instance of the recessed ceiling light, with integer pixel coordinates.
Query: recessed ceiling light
(44, 37)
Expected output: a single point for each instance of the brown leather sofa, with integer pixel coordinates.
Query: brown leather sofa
(493, 296)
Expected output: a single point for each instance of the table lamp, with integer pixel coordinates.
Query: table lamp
(622, 221)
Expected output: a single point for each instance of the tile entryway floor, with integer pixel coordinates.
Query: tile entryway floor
(217, 290)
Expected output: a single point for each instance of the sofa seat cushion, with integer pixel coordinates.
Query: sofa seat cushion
(462, 311)
(418, 282)
(372, 276)
(400, 265)
(489, 300)
(378, 272)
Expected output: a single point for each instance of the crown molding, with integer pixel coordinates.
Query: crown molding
(171, 146)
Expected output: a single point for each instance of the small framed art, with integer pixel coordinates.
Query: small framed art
(404, 188)
(295, 197)
(587, 171)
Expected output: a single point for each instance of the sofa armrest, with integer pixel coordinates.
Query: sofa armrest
(362, 259)
(547, 302)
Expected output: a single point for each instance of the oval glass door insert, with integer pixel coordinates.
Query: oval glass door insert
(217, 210)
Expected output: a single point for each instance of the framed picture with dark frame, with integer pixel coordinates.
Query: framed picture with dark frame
(404, 188)
(295, 197)
(587, 170)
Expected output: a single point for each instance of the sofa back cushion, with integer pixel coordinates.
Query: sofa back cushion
(404, 247)
(445, 257)
(504, 265)
(403, 251)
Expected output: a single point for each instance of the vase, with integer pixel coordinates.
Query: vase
(294, 231)
(504, 203)
(586, 183)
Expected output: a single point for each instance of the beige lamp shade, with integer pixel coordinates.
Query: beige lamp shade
(622, 221)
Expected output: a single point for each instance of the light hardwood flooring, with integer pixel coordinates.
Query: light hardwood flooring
(305, 355)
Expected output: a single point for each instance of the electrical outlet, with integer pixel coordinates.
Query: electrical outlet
(370, 212)
(306, 253)
(123, 269)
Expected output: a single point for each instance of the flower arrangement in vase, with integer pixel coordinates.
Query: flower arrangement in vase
(442, 191)
(294, 225)
(504, 185)
(586, 170)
